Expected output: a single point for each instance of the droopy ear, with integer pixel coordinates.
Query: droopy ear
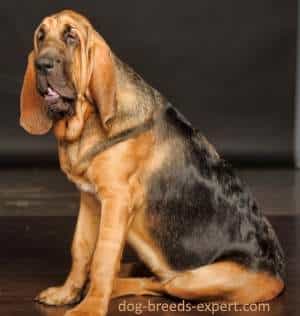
(33, 116)
(103, 82)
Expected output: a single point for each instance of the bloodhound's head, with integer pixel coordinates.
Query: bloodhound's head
(69, 62)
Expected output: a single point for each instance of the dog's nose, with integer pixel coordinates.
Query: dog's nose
(44, 64)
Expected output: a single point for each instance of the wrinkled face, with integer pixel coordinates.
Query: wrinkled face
(70, 67)
(56, 47)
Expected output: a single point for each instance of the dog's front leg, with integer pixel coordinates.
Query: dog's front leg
(114, 222)
(83, 246)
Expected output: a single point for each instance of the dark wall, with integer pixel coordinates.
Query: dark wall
(229, 66)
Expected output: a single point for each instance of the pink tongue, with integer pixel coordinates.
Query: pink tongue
(51, 95)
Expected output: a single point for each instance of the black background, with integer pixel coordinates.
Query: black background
(229, 66)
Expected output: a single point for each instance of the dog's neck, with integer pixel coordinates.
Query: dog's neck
(136, 100)
(136, 103)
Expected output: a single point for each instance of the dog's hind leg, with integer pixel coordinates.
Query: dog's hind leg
(137, 286)
(225, 281)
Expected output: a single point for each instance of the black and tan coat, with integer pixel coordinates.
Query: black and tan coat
(164, 190)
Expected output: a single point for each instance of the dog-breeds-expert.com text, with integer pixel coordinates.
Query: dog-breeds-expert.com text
(146, 177)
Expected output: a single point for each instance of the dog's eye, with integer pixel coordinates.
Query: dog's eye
(70, 37)
(40, 35)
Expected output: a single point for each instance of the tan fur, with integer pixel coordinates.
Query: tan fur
(116, 181)
(82, 251)
(136, 286)
(226, 281)
(33, 115)
(140, 239)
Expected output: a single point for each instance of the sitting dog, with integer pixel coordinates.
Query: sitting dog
(146, 177)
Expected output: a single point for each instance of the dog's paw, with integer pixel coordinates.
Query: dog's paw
(58, 296)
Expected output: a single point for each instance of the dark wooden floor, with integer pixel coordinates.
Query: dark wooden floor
(37, 222)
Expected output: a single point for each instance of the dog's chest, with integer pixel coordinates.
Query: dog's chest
(83, 185)
(81, 182)
(69, 157)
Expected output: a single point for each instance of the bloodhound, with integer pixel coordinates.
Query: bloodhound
(146, 177)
